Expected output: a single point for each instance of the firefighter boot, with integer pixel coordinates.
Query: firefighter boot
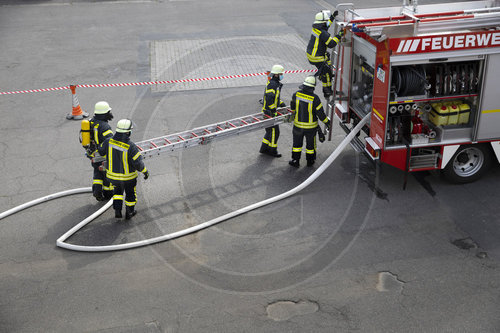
(98, 193)
(327, 92)
(129, 212)
(294, 163)
(273, 152)
(310, 163)
(118, 214)
(264, 149)
(99, 196)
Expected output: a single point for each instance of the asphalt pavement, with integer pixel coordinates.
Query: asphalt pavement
(353, 252)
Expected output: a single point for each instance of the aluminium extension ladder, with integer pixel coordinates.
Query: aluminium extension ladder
(205, 134)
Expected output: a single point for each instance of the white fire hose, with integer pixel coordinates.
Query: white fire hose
(104, 248)
(44, 199)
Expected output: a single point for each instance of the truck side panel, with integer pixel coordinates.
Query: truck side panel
(489, 117)
(395, 157)
(380, 94)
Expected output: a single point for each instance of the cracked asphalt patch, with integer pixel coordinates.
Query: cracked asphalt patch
(389, 282)
(465, 243)
(284, 310)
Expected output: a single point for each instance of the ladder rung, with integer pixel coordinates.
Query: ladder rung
(198, 136)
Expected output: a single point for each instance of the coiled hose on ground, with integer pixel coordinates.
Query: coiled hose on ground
(104, 248)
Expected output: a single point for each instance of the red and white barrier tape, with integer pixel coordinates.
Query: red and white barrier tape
(106, 85)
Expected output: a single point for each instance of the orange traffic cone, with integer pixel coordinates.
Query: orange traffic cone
(77, 112)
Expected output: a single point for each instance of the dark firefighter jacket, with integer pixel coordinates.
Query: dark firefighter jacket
(319, 42)
(272, 97)
(100, 130)
(308, 108)
(123, 158)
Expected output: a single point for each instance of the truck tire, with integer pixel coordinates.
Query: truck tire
(468, 164)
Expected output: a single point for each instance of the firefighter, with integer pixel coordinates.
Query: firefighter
(99, 131)
(271, 102)
(317, 49)
(308, 109)
(124, 160)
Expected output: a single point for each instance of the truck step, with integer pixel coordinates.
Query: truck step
(356, 142)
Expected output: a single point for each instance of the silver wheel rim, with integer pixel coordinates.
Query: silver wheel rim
(468, 162)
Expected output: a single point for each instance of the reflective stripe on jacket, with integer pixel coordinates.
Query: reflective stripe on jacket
(272, 97)
(319, 42)
(308, 109)
(123, 158)
(101, 130)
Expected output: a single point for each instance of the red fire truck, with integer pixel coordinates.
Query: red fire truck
(430, 76)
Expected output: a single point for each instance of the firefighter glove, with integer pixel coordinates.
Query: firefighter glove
(335, 13)
(89, 153)
(282, 104)
(321, 135)
(328, 124)
(146, 175)
(340, 34)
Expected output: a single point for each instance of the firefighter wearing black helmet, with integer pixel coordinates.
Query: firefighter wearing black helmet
(317, 48)
(308, 109)
(124, 161)
(99, 131)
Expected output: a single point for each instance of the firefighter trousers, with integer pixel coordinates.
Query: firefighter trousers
(100, 183)
(298, 141)
(324, 73)
(270, 140)
(129, 187)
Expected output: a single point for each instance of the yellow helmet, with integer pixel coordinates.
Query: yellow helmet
(277, 69)
(101, 107)
(124, 126)
(322, 17)
(310, 81)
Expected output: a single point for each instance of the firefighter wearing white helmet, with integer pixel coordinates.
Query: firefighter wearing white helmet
(99, 131)
(124, 161)
(308, 109)
(317, 48)
(271, 101)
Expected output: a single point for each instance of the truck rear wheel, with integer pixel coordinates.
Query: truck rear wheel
(468, 164)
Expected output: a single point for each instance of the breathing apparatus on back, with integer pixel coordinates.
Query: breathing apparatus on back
(102, 111)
